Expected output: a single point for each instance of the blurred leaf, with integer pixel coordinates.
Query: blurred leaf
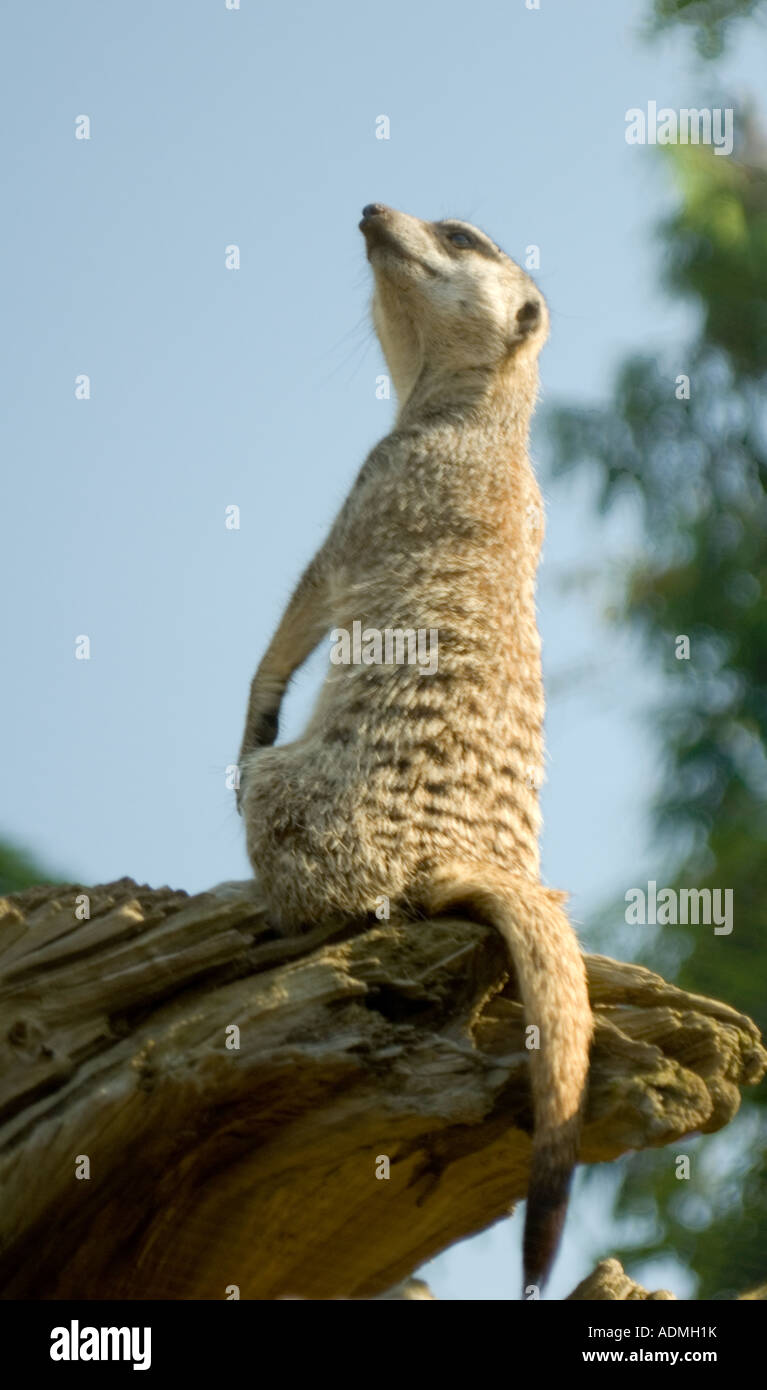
(18, 870)
(712, 20)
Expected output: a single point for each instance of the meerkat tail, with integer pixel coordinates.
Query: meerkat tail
(552, 981)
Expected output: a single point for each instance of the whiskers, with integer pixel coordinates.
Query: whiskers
(352, 345)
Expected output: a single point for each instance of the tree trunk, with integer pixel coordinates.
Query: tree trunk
(144, 1155)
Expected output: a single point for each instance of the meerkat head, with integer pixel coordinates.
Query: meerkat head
(448, 300)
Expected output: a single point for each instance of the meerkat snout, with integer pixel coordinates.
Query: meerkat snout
(371, 209)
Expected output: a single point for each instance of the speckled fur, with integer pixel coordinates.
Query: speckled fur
(419, 787)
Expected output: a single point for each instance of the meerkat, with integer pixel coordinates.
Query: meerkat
(422, 786)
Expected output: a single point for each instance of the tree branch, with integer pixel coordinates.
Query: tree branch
(213, 1166)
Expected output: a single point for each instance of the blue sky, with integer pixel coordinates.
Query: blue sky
(257, 387)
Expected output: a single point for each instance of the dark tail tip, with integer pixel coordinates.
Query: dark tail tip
(543, 1230)
(547, 1199)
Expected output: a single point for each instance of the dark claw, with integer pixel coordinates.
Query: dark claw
(267, 729)
(262, 736)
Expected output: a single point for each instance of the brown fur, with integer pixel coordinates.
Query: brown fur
(423, 788)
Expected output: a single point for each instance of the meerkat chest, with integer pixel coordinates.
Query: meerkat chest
(440, 497)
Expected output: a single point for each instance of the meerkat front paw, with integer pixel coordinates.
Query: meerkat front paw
(262, 730)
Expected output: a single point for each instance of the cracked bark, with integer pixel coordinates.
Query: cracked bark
(256, 1167)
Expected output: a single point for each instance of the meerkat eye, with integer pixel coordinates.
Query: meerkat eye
(460, 239)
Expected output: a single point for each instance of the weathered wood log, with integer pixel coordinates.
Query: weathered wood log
(214, 1166)
(609, 1282)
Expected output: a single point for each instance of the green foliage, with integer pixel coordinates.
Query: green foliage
(717, 246)
(712, 20)
(18, 870)
(699, 468)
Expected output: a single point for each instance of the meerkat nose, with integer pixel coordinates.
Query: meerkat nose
(372, 209)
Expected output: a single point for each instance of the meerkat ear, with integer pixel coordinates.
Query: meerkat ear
(525, 322)
(527, 318)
